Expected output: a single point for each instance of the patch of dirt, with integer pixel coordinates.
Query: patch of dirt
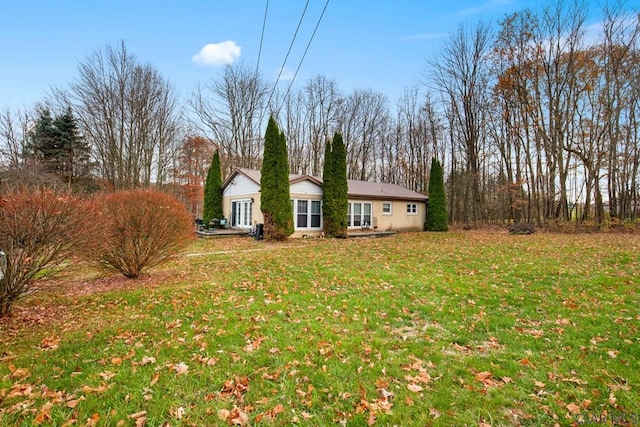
(31, 317)
(47, 312)
(116, 282)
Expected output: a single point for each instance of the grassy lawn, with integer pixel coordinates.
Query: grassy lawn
(460, 328)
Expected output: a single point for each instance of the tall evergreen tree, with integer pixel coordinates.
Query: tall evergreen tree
(339, 154)
(328, 192)
(437, 212)
(335, 188)
(74, 151)
(213, 191)
(275, 199)
(58, 146)
(44, 140)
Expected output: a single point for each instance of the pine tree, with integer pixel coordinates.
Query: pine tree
(213, 191)
(437, 212)
(74, 151)
(275, 199)
(43, 140)
(57, 144)
(335, 188)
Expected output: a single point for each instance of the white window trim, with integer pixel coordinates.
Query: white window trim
(242, 213)
(412, 213)
(362, 203)
(390, 208)
(309, 215)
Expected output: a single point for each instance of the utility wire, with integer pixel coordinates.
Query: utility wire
(288, 52)
(303, 56)
(264, 23)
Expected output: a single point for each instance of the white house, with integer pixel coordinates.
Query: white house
(372, 206)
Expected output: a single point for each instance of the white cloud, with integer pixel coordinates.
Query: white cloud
(284, 74)
(215, 54)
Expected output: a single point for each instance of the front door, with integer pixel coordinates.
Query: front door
(241, 213)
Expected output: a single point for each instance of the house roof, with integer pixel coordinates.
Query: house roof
(356, 189)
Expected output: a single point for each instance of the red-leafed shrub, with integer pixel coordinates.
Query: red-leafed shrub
(38, 231)
(138, 229)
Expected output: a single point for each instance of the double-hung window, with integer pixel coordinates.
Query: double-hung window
(308, 213)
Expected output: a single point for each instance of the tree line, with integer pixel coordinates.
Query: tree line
(533, 119)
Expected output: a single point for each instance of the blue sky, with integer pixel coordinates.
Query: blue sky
(367, 44)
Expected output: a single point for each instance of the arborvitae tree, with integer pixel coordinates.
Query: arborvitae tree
(328, 192)
(437, 212)
(335, 189)
(213, 191)
(339, 154)
(275, 199)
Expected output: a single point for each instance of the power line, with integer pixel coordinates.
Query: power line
(303, 55)
(264, 23)
(288, 52)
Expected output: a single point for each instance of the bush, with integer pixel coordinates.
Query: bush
(138, 229)
(522, 228)
(38, 231)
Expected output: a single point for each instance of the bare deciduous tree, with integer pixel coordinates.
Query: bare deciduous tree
(322, 100)
(460, 73)
(364, 120)
(230, 110)
(129, 114)
(14, 135)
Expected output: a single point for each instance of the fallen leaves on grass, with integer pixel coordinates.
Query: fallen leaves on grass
(487, 379)
(50, 343)
(419, 374)
(253, 344)
(18, 373)
(234, 417)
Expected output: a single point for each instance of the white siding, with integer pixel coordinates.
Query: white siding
(306, 187)
(240, 185)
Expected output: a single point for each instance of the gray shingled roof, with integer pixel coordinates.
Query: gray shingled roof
(357, 189)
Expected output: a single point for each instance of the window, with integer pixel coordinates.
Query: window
(412, 209)
(387, 208)
(359, 214)
(308, 213)
(366, 218)
(316, 214)
(241, 213)
(303, 211)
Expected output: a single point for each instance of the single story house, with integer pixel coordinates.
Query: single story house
(372, 206)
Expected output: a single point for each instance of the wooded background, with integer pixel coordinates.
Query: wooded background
(534, 119)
